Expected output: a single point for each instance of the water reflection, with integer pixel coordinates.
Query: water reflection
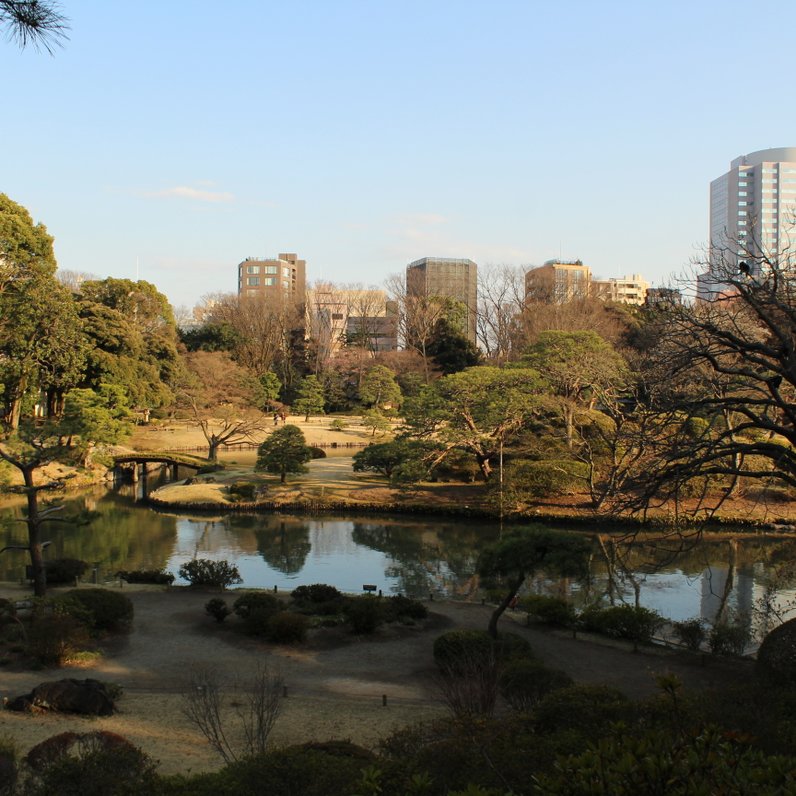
(721, 577)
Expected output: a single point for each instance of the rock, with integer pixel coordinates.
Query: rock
(89, 697)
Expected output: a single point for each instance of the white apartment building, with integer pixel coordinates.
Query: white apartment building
(752, 214)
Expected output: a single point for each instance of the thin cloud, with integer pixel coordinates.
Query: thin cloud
(195, 194)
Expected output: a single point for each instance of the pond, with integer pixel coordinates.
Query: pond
(753, 577)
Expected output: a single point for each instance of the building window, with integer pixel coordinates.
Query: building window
(285, 271)
(271, 269)
(269, 280)
(252, 269)
(253, 281)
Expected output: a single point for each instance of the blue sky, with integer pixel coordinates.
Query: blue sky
(186, 135)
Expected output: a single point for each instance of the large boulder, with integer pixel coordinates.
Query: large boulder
(89, 697)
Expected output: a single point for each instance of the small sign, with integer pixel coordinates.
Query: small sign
(369, 587)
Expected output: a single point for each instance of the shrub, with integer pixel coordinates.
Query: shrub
(218, 609)
(256, 608)
(524, 683)
(318, 598)
(511, 647)
(157, 576)
(203, 572)
(540, 479)
(400, 608)
(242, 490)
(776, 658)
(90, 764)
(728, 639)
(454, 648)
(286, 627)
(337, 424)
(54, 638)
(105, 609)
(691, 633)
(8, 765)
(585, 708)
(364, 613)
(550, 610)
(64, 570)
(635, 623)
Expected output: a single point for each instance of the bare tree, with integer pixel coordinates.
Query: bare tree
(256, 710)
(501, 301)
(725, 371)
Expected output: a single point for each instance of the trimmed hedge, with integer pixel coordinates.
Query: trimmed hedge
(524, 683)
(64, 570)
(256, 608)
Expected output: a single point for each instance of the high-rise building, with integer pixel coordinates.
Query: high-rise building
(278, 280)
(446, 278)
(752, 215)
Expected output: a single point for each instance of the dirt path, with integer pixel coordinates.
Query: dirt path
(334, 689)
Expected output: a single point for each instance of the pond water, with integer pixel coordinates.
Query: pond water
(753, 577)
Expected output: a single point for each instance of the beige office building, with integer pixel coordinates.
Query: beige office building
(362, 317)
(630, 289)
(277, 280)
(558, 281)
(446, 278)
(752, 214)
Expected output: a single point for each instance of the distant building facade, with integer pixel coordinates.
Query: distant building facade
(279, 280)
(446, 278)
(558, 281)
(630, 289)
(339, 317)
(752, 214)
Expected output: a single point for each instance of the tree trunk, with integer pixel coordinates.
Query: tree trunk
(34, 540)
(282, 477)
(212, 449)
(505, 602)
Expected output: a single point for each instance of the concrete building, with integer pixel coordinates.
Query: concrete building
(752, 214)
(338, 316)
(630, 289)
(558, 281)
(446, 278)
(278, 280)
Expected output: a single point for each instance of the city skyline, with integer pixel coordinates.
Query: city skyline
(160, 143)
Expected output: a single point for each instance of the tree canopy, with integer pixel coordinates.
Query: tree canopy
(284, 451)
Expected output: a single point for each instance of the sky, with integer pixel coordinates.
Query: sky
(171, 139)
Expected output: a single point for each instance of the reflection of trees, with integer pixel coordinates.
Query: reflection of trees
(116, 537)
(431, 558)
(284, 545)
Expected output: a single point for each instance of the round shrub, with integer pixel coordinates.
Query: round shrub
(460, 649)
(242, 490)
(203, 572)
(524, 683)
(287, 627)
(105, 609)
(690, 633)
(64, 570)
(218, 609)
(511, 647)
(364, 613)
(550, 610)
(91, 763)
(318, 598)
(776, 658)
(256, 608)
